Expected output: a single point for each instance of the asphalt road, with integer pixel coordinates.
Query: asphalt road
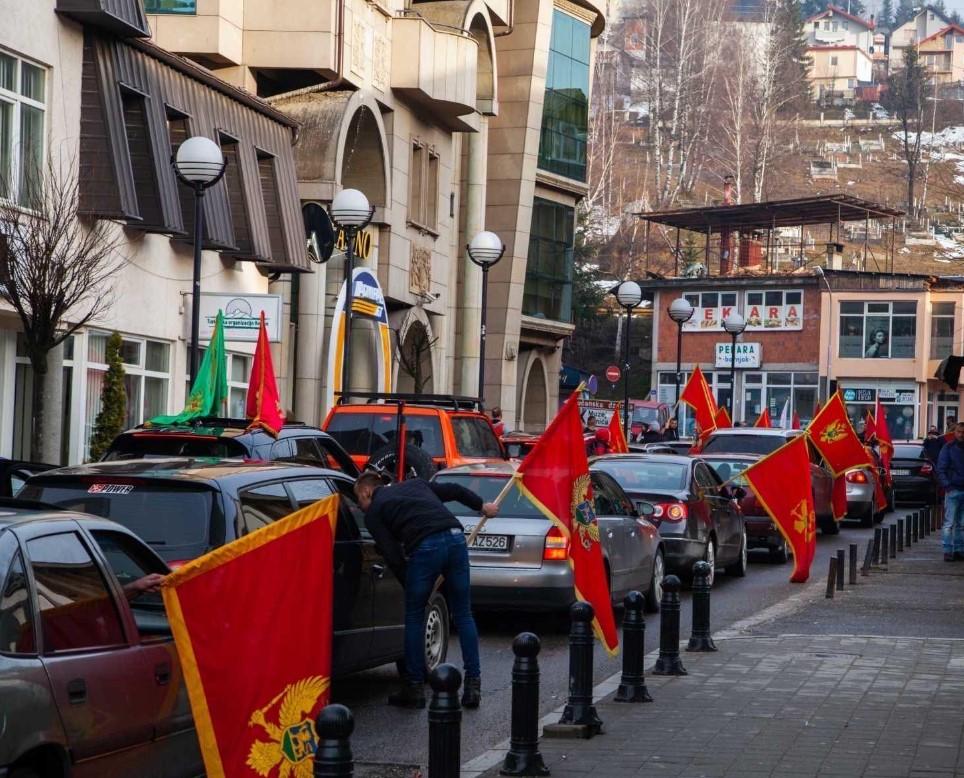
(388, 735)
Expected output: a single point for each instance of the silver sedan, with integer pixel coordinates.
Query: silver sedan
(520, 559)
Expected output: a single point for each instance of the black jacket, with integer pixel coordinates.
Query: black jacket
(402, 515)
(932, 447)
(670, 434)
(950, 466)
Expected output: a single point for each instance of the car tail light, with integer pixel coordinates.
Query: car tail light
(671, 511)
(856, 477)
(557, 546)
(926, 469)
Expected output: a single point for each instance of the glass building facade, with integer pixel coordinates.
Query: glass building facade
(170, 6)
(548, 289)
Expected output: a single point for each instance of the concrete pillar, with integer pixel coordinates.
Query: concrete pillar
(312, 361)
(53, 394)
(478, 143)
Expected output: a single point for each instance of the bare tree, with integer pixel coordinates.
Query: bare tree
(54, 272)
(411, 355)
(905, 98)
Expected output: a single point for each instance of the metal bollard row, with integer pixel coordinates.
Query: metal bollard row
(832, 578)
(632, 683)
(701, 639)
(669, 662)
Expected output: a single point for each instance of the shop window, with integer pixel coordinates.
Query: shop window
(548, 284)
(878, 330)
(22, 116)
(237, 202)
(272, 207)
(899, 405)
(423, 188)
(239, 374)
(942, 330)
(170, 6)
(142, 159)
(565, 112)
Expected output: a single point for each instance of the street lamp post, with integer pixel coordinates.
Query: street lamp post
(819, 271)
(629, 296)
(351, 212)
(200, 164)
(733, 324)
(485, 249)
(681, 312)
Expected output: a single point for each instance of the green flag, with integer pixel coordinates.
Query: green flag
(210, 391)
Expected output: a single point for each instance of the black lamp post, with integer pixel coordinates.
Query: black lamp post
(733, 324)
(629, 296)
(200, 164)
(485, 249)
(681, 312)
(351, 212)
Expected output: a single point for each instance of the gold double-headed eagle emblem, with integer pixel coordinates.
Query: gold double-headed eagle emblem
(804, 521)
(293, 738)
(583, 513)
(833, 432)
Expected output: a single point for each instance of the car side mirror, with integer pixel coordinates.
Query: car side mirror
(645, 509)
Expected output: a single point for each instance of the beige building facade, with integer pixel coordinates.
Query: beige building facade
(452, 117)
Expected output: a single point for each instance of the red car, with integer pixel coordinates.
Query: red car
(756, 442)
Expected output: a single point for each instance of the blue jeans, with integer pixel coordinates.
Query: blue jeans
(443, 553)
(952, 533)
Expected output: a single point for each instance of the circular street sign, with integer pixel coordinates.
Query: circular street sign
(612, 374)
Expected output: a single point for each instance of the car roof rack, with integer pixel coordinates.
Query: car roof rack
(456, 402)
(215, 421)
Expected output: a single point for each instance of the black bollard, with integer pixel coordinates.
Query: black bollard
(915, 533)
(927, 520)
(701, 639)
(669, 662)
(333, 758)
(868, 557)
(876, 554)
(884, 542)
(908, 520)
(524, 757)
(832, 577)
(893, 541)
(444, 723)
(900, 535)
(632, 684)
(580, 710)
(853, 564)
(923, 523)
(840, 568)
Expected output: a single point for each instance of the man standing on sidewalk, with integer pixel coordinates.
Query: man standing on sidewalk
(408, 519)
(950, 472)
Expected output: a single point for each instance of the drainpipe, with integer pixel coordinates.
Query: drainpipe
(472, 276)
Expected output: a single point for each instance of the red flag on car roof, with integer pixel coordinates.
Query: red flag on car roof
(781, 483)
(723, 419)
(870, 426)
(617, 440)
(831, 434)
(555, 477)
(263, 405)
(698, 396)
(796, 421)
(763, 420)
(883, 437)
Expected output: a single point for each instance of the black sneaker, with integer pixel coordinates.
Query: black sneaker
(472, 693)
(411, 695)
(949, 557)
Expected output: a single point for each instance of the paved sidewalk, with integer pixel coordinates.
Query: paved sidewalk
(882, 697)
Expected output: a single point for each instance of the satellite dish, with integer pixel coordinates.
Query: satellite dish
(319, 234)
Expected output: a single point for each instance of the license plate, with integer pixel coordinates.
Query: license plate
(900, 472)
(491, 543)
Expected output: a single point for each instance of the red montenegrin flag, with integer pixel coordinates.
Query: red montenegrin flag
(883, 437)
(698, 396)
(831, 434)
(263, 404)
(839, 499)
(781, 482)
(795, 424)
(252, 625)
(722, 419)
(870, 427)
(555, 477)
(763, 420)
(617, 440)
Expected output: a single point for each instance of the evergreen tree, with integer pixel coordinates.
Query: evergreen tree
(790, 43)
(112, 417)
(905, 12)
(810, 8)
(885, 18)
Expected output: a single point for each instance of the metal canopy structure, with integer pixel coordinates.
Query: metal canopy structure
(825, 209)
(831, 210)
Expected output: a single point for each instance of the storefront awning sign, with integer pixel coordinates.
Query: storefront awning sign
(241, 316)
(748, 355)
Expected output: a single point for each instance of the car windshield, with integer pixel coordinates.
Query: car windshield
(730, 470)
(645, 414)
(514, 506)
(160, 445)
(743, 444)
(909, 452)
(475, 438)
(365, 433)
(640, 475)
(175, 521)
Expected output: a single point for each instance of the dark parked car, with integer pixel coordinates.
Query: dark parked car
(226, 438)
(15, 472)
(183, 508)
(698, 517)
(90, 675)
(761, 532)
(913, 474)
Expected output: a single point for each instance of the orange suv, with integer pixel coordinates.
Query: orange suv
(440, 431)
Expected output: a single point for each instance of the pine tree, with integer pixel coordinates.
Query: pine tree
(112, 417)
(790, 45)
(905, 12)
(885, 19)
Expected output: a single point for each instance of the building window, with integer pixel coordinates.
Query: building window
(22, 110)
(942, 329)
(142, 159)
(272, 207)
(23, 401)
(178, 131)
(565, 112)
(878, 330)
(548, 286)
(423, 188)
(170, 6)
(899, 404)
(147, 376)
(776, 391)
(234, 183)
(239, 374)
(833, 61)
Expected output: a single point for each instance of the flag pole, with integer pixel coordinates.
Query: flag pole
(498, 501)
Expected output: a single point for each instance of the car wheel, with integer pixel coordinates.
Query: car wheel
(738, 568)
(654, 595)
(436, 632)
(417, 462)
(709, 556)
(780, 554)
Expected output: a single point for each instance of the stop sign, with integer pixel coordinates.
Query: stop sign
(612, 374)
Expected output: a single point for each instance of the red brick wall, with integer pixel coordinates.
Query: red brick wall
(781, 346)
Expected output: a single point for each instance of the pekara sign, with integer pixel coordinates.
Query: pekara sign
(747, 354)
(241, 315)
